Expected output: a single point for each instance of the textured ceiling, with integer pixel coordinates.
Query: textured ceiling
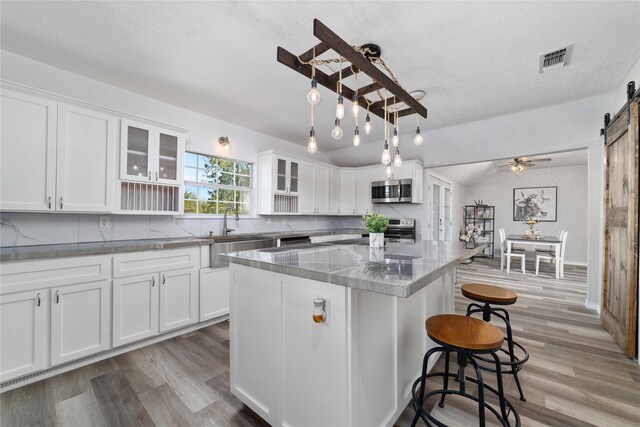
(473, 59)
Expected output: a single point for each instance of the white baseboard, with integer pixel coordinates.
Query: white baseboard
(578, 263)
(592, 306)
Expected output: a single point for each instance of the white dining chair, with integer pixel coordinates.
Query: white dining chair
(542, 254)
(515, 252)
(551, 248)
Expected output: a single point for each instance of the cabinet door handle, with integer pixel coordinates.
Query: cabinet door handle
(61, 203)
(156, 175)
(153, 281)
(149, 175)
(49, 202)
(57, 297)
(38, 300)
(164, 279)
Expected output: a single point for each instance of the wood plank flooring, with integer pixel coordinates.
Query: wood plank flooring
(576, 376)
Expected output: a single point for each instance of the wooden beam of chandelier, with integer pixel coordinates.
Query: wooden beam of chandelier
(359, 63)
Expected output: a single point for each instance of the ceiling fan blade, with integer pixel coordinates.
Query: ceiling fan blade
(503, 166)
(542, 160)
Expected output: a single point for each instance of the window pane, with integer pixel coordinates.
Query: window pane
(242, 196)
(190, 192)
(207, 207)
(222, 206)
(226, 165)
(226, 179)
(243, 181)
(206, 193)
(243, 208)
(243, 168)
(208, 176)
(203, 161)
(189, 206)
(191, 159)
(190, 174)
(226, 195)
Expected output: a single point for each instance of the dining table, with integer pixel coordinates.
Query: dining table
(539, 240)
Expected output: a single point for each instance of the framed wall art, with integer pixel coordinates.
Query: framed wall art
(539, 203)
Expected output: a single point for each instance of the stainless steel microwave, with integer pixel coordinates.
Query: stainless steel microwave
(391, 191)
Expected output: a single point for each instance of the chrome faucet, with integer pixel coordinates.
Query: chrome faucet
(226, 230)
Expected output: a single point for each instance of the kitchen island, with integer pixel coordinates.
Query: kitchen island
(355, 367)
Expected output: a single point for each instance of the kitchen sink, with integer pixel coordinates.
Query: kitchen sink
(222, 244)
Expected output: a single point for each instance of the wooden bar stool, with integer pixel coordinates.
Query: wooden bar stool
(468, 337)
(490, 295)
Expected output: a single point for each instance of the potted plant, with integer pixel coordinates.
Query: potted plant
(376, 225)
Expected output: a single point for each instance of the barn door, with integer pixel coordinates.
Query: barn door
(620, 289)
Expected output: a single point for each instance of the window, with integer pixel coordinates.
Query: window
(211, 184)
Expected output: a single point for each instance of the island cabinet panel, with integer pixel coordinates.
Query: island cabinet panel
(254, 338)
(24, 329)
(313, 354)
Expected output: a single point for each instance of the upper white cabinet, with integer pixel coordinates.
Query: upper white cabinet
(334, 191)
(56, 157)
(86, 158)
(363, 192)
(287, 175)
(279, 185)
(24, 327)
(315, 189)
(28, 147)
(347, 196)
(151, 154)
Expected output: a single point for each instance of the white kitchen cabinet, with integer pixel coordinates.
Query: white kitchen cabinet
(24, 329)
(363, 192)
(287, 175)
(135, 308)
(315, 189)
(80, 321)
(323, 190)
(66, 164)
(28, 146)
(334, 191)
(279, 184)
(347, 196)
(86, 160)
(151, 154)
(178, 298)
(214, 293)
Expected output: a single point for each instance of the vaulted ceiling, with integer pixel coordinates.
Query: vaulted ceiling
(473, 59)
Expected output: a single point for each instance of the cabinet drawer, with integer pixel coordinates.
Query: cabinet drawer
(153, 262)
(18, 276)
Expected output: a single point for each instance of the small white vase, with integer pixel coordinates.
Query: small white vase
(376, 240)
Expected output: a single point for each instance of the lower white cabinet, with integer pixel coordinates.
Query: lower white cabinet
(178, 298)
(24, 328)
(135, 308)
(214, 293)
(80, 321)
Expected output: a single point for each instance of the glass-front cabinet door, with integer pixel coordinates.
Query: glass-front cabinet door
(293, 177)
(281, 175)
(136, 154)
(287, 173)
(168, 167)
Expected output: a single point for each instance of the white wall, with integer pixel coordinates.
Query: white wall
(572, 184)
(621, 92)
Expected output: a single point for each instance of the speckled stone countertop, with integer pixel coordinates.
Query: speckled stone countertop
(15, 253)
(399, 269)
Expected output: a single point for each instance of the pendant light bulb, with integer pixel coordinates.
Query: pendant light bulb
(337, 132)
(312, 146)
(389, 171)
(418, 138)
(367, 125)
(355, 106)
(394, 139)
(356, 137)
(386, 157)
(314, 94)
(397, 161)
(340, 108)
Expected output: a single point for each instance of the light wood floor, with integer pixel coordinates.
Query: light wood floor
(576, 375)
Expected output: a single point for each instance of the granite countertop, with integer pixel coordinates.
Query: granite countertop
(14, 253)
(399, 269)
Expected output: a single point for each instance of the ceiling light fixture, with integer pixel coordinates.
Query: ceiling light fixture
(360, 59)
(418, 138)
(224, 143)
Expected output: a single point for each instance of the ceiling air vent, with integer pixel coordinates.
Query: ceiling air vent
(556, 59)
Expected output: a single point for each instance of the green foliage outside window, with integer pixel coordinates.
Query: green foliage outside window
(212, 184)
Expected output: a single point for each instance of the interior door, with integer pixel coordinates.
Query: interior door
(620, 287)
(435, 211)
(447, 221)
(440, 213)
(27, 153)
(86, 160)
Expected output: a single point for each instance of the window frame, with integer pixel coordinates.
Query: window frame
(186, 183)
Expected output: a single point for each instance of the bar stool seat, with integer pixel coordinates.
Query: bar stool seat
(489, 296)
(466, 337)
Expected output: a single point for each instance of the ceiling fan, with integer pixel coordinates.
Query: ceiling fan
(520, 164)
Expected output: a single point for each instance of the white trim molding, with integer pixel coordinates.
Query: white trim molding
(592, 306)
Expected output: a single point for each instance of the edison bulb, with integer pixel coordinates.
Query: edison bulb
(356, 140)
(367, 125)
(312, 146)
(386, 157)
(397, 161)
(394, 139)
(355, 108)
(340, 108)
(337, 132)
(314, 94)
(418, 138)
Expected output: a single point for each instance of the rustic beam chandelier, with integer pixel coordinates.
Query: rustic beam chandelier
(363, 59)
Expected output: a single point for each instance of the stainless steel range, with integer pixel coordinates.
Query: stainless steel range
(401, 230)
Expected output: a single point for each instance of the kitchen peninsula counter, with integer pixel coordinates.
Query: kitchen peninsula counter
(356, 366)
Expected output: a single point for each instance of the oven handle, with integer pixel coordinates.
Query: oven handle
(399, 191)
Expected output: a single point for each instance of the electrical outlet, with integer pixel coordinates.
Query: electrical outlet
(105, 222)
